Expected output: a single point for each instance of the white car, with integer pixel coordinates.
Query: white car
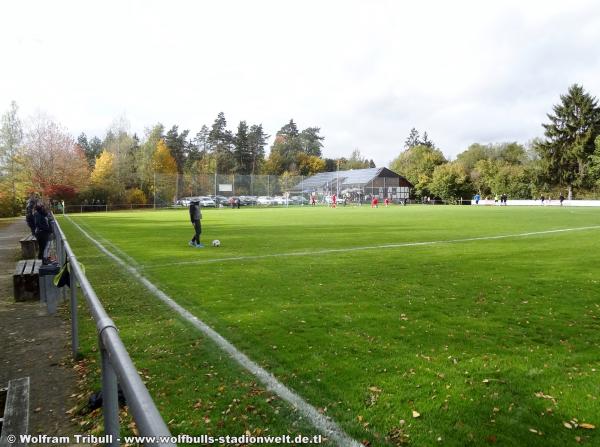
(264, 200)
(280, 200)
(206, 201)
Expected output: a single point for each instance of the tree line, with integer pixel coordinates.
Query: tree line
(43, 157)
(122, 167)
(565, 161)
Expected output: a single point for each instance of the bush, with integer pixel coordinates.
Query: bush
(94, 194)
(9, 208)
(60, 192)
(135, 196)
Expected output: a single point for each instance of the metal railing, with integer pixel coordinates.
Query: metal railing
(117, 367)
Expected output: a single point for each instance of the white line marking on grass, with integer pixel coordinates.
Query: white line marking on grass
(370, 247)
(113, 246)
(324, 424)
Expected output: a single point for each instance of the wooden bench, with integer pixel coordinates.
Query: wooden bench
(26, 280)
(29, 247)
(15, 419)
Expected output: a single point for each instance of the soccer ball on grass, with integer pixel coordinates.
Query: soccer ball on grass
(216, 243)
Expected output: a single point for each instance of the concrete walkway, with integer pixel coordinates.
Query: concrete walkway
(34, 344)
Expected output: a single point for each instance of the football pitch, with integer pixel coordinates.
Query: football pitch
(419, 325)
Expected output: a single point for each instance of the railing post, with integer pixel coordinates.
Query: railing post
(74, 318)
(62, 258)
(57, 242)
(110, 397)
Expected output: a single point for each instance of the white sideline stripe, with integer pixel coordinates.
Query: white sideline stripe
(325, 425)
(114, 247)
(371, 247)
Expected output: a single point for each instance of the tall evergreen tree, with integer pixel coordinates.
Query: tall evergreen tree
(95, 149)
(241, 150)
(425, 141)
(220, 141)
(288, 143)
(177, 144)
(289, 131)
(257, 140)
(201, 140)
(91, 148)
(413, 139)
(570, 134)
(311, 141)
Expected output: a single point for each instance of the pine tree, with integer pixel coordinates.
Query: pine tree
(201, 141)
(426, 141)
(570, 134)
(257, 140)
(287, 146)
(311, 141)
(241, 150)
(413, 139)
(95, 146)
(177, 144)
(220, 141)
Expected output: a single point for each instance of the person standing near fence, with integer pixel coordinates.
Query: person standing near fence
(43, 230)
(29, 213)
(196, 217)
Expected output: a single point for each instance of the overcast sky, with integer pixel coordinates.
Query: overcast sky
(365, 72)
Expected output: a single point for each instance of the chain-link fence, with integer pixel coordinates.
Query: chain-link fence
(285, 189)
(218, 190)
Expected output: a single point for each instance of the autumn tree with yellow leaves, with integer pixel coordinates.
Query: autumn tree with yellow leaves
(165, 173)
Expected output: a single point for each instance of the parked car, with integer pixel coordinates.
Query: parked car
(206, 202)
(184, 201)
(280, 200)
(264, 200)
(247, 200)
(298, 200)
(221, 200)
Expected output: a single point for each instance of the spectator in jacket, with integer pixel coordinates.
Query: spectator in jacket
(29, 211)
(43, 230)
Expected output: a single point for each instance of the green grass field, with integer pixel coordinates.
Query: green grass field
(490, 340)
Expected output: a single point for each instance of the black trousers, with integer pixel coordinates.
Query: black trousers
(30, 223)
(198, 230)
(42, 239)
